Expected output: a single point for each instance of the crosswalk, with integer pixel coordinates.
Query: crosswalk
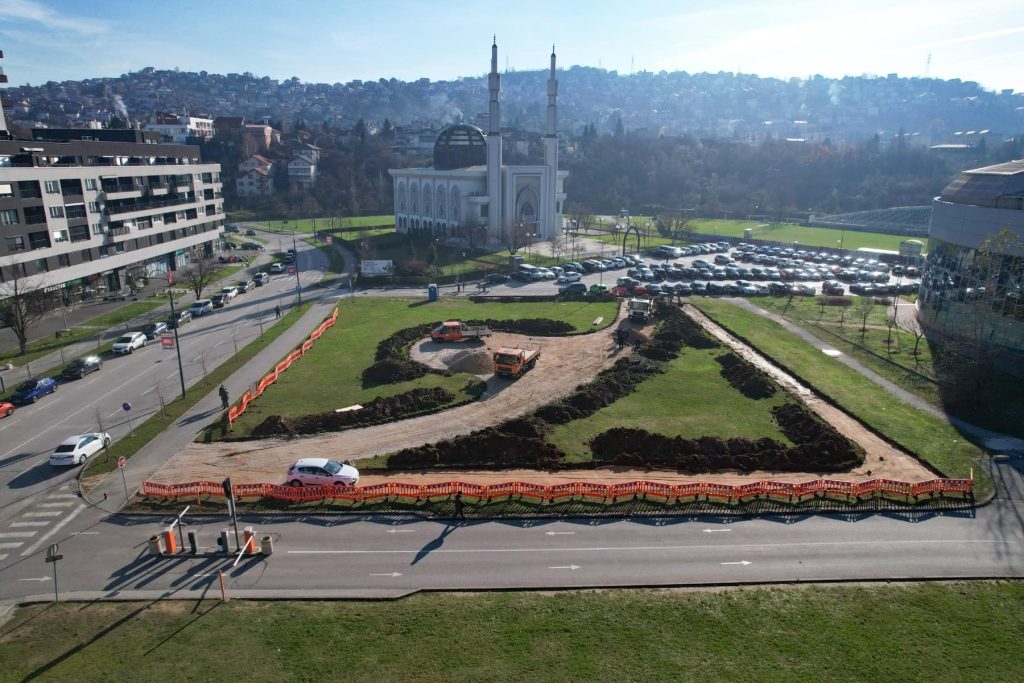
(38, 522)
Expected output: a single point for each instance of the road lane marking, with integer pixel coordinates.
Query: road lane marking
(714, 531)
(742, 562)
(58, 504)
(18, 524)
(559, 533)
(116, 412)
(51, 532)
(640, 548)
(18, 534)
(570, 567)
(392, 574)
(51, 513)
(11, 546)
(38, 578)
(400, 531)
(148, 390)
(3, 557)
(64, 495)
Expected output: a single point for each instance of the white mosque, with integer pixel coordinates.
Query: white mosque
(468, 185)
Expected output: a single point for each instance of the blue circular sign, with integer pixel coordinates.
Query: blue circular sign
(127, 406)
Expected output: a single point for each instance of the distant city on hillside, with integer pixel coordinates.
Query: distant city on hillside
(740, 107)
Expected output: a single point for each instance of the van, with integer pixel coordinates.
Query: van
(668, 251)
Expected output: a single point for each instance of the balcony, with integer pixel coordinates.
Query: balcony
(117, 232)
(115, 209)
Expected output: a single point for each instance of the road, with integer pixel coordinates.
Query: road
(366, 556)
(140, 379)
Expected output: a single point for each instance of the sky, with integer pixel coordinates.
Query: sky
(342, 40)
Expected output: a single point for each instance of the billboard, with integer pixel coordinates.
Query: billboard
(377, 267)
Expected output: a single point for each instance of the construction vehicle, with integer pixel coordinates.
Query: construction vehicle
(640, 310)
(514, 362)
(453, 330)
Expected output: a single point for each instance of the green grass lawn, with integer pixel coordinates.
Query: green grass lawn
(932, 632)
(306, 224)
(329, 377)
(691, 400)
(934, 439)
(798, 235)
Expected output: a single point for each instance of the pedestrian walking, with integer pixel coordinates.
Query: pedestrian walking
(460, 507)
(277, 311)
(224, 397)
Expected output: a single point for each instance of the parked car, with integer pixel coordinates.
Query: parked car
(81, 367)
(598, 288)
(496, 279)
(218, 300)
(129, 342)
(200, 307)
(250, 233)
(33, 389)
(261, 279)
(178, 319)
(231, 292)
(76, 450)
(322, 472)
(231, 228)
(805, 290)
(154, 329)
(573, 288)
(569, 276)
(6, 409)
(276, 268)
(252, 246)
(245, 286)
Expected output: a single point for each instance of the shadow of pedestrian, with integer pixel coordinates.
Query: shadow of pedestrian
(434, 544)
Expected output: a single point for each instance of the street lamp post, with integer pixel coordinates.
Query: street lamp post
(298, 286)
(177, 344)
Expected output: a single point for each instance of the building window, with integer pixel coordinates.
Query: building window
(76, 211)
(9, 217)
(42, 266)
(79, 233)
(90, 183)
(60, 236)
(29, 189)
(52, 187)
(15, 243)
(86, 255)
(120, 247)
(94, 207)
(97, 228)
(56, 212)
(104, 250)
(39, 240)
(63, 261)
(6, 189)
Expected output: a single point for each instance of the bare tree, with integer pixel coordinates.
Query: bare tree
(918, 333)
(514, 237)
(200, 275)
(865, 305)
(23, 303)
(557, 246)
(674, 226)
(474, 234)
(581, 218)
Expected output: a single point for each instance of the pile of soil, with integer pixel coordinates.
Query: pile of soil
(638, 447)
(396, 347)
(475, 362)
(538, 327)
(817, 440)
(744, 377)
(381, 409)
(506, 445)
(392, 371)
(609, 386)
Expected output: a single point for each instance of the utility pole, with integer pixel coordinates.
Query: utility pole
(177, 344)
(298, 287)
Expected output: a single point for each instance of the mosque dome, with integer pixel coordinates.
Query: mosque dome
(458, 146)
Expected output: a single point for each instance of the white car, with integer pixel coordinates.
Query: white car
(129, 342)
(276, 268)
(322, 472)
(568, 276)
(230, 292)
(200, 307)
(76, 450)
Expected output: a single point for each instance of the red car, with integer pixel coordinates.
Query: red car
(6, 409)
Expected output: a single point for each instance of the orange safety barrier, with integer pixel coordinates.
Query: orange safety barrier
(795, 492)
(248, 397)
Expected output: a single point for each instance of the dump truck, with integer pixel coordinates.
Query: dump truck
(453, 330)
(640, 310)
(514, 362)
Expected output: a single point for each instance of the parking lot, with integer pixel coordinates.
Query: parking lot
(720, 269)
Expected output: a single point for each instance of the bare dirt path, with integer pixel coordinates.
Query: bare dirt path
(565, 363)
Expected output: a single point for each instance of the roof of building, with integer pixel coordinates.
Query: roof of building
(984, 186)
(458, 146)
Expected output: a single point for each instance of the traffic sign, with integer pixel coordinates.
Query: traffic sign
(167, 341)
(121, 462)
(126, 406)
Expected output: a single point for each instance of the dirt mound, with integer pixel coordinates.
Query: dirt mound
(816, 439)
(381, 409)
(475, 362)
(489, 448)
(392, 371)
(744, 377)
(609, 386)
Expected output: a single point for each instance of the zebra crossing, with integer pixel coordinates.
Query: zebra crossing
(37, 523)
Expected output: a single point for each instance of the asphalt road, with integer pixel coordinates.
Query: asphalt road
(139, 379)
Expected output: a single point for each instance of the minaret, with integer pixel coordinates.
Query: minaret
(494, 199)
(551, 225)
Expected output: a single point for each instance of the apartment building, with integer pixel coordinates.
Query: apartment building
(86, 212)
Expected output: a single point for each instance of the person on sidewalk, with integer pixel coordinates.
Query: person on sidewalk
(460, 507)
(277, 311)
(224, 397)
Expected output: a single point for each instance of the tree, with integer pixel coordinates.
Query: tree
(865, 305)
(432, 254)
(24, 303)
(200, 275)
(674, 226)
(474, 234)
(513, 237)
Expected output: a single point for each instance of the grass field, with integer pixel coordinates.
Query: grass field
(797, 235)
(329, 377)
(691, 400)
(934, 439)
(306, 224)
(943, 632)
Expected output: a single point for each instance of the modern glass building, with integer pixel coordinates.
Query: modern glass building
(972, 284)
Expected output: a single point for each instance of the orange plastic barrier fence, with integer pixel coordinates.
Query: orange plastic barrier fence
(606, 492)
(248, 397)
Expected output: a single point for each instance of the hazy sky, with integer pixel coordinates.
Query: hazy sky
(324, 41)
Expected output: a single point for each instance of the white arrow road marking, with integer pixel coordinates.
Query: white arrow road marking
(743, 562)
(559, 533)
(571, 567)
(392, 574)
(714, 531)
(38, 578)
(15, 525)
(400, 531)
(51, 532)
(17, 534)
